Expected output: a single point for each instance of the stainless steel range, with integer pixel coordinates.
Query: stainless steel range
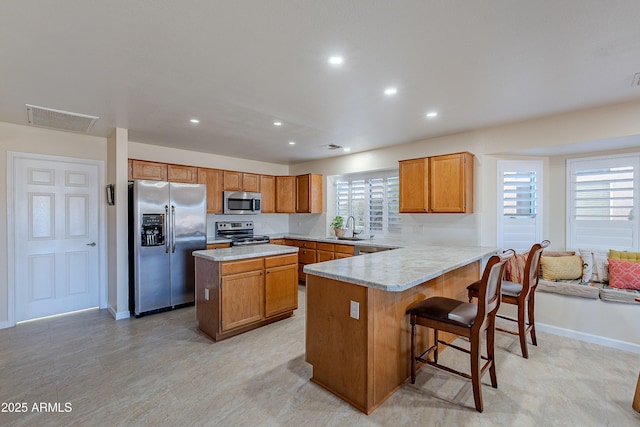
(240, 233)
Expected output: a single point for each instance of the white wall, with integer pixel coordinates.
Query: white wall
(29, 139)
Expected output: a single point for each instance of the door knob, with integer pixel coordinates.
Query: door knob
(91, 244)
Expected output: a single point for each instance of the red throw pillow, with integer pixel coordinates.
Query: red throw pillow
(624, 274)
(514, 268)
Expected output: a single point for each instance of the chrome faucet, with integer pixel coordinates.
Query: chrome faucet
(353, 227)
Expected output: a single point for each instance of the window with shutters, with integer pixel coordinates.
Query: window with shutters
(519, 203)
(371, 198)
(601, 202)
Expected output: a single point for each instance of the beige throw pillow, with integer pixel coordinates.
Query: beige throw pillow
(561, 268)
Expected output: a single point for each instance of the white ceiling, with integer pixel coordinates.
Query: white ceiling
(149, 66)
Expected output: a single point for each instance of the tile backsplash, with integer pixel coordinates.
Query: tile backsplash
(430, 228)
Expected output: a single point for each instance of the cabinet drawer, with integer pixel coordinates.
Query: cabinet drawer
(345, 249)
(324, 246)
(218, 245)
(307, 256)
(276, 261)
(233, 267)
(303, 244)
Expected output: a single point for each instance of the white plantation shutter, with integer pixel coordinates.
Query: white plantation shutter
(601, 202)
(519, 203)
(372, 199)
(393, 203)
(519, 194)
(376, 204)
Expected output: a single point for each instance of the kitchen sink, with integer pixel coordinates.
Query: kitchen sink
(351, 238)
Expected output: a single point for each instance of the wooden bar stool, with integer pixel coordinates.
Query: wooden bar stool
(522, 295)
(466, 320)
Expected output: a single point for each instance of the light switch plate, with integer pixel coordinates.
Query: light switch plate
(355, 310)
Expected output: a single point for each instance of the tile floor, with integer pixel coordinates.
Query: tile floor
(159, 370)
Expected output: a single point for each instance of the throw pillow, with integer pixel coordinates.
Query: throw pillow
(562, 267)
(624, 256)
(514, 268)
(587, 265)
(600, 267)
(596, 267)
(624, 274)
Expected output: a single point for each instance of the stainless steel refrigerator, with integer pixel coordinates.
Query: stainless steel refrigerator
(167, 222)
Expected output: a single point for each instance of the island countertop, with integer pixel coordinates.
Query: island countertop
(399, 269)
(244, 252)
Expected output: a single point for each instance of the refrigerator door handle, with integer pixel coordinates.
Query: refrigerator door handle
(166, 226)
(173, 229)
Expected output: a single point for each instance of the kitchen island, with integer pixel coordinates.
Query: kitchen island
(244, 287)
(357, 329)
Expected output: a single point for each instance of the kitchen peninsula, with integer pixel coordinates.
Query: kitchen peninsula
(244, 287)
(357, 330)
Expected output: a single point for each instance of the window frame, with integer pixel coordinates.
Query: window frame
(615, 160)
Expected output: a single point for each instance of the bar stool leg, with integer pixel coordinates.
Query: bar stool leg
(475, 373)
(435, 342)
(491, 339)
(413, 351)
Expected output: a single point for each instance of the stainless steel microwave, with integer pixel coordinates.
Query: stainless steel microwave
(241, 203)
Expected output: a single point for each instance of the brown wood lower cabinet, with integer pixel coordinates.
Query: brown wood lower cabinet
(240, 297)
(233, 297)
(314, 251)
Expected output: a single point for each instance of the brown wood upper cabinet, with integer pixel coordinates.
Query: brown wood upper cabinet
(268, 191)
(414, 185)
(142, 169)
(232, 181)
(251, 182)
(309, 193)
(285, 194)
(213, 179)
(438, 184)
(180, 173)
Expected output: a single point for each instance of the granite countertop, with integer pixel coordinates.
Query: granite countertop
(399, 269)
(244, 252)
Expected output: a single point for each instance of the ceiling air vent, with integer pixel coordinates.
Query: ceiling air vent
(331, 146)
(57, 119)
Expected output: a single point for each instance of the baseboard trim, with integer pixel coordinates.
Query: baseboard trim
(583, 336)
(6, 324)
(119, 315)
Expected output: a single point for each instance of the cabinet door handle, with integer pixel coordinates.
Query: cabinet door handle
(304, 245)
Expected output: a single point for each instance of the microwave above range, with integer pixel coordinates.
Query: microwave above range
(241, 203)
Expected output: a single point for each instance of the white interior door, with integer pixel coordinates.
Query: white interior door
(56, 247)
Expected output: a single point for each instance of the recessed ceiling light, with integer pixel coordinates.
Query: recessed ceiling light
(432, 114)
(292, 143)
(194, 121)
(346, 149)
(390, 91)
(336, 60)
(277, 123)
